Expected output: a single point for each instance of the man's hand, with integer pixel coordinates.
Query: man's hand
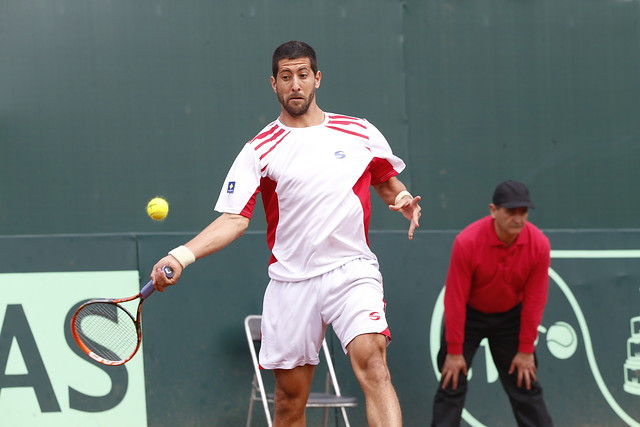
(525, 364)
(453, 364)
(160, 281)
(411, 210)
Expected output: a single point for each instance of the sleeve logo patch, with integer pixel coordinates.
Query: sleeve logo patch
(231, 186)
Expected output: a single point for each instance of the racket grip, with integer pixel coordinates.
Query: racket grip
(148, 289)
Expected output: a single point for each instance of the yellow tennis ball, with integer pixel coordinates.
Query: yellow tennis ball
(157, 208)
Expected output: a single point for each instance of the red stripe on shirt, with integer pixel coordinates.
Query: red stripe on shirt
(265, 133)
(381, 171)
(349, 132)
(346, 123)
(247, 211)
(274, 145)
(361, 189)
(274, 136)
(271, 210)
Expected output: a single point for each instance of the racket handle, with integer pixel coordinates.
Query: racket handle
(148, 289)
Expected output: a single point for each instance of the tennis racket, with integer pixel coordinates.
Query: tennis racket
(106, 331)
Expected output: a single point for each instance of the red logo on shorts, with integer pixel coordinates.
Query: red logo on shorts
(374, 315)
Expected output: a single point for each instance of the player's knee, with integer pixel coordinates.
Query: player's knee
(373, 370)
(289, 405)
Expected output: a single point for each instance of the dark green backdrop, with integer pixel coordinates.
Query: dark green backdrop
(107, 104)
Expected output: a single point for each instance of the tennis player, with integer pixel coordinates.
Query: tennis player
(314, 170)
(496, 288)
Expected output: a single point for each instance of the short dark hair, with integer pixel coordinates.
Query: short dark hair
(294, 50)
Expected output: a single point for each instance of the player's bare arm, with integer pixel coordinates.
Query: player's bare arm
(406, 204)
(525, 365)
(453, 365)
(216, 236)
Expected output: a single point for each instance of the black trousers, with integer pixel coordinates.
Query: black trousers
(502, 331)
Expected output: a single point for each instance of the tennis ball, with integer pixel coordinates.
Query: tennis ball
(157, 208)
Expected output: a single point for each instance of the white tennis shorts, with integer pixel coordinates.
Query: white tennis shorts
(295, 315)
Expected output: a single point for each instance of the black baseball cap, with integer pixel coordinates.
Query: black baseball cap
(512, 194)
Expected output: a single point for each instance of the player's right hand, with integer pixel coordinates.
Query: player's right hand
(453, 365)
(160, 281)
(411, 210)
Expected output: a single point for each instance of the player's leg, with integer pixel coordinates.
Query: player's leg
(528, 406)
(353, 303)
(369, 362)
(289, 350)
(292, 392)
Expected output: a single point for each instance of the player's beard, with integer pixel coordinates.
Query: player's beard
(299, 109)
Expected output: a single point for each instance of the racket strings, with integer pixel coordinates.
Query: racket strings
(107, 330)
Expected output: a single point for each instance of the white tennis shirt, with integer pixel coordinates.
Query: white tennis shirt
(315, 191)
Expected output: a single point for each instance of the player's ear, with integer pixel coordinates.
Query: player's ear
(318, 78)
(273, 83)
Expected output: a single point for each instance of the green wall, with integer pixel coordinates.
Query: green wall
(107, 104)
(547, 92)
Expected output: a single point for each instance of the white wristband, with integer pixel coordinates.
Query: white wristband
(184, 255)
(401, 195)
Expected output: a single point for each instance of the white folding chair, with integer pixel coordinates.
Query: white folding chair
(330, 398)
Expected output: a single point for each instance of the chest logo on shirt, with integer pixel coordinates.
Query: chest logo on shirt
(340, 155)
(231, 186)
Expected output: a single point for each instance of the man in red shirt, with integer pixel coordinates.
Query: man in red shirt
(496, 289)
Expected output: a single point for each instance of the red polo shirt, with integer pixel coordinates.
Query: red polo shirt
(492, 278)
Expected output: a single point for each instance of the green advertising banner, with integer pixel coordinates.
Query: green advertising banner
(194, 367)
(44, 378)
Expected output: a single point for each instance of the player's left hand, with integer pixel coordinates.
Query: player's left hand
(525, 365)
(411, 210)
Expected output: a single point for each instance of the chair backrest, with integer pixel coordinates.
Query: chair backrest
(252, 324)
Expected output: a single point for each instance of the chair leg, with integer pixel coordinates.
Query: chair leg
(251, 400)
(249, 415)
(327, 389)
(344, 416)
